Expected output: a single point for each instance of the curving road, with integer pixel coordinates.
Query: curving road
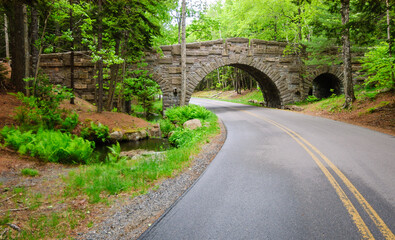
(285, 175)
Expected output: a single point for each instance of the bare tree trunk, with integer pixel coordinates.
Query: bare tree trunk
(349, 88)
(100, 62)
(183, 56)
(7, 41)
(179, 20)
(71, 54)
(390, 42)
(26, 41)
(34, 38)
(299, 22)
(114, 77)
(388, 29)
(39, 53)
(17, 44)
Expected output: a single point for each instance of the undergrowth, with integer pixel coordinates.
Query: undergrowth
(118, 174)
(49, 145)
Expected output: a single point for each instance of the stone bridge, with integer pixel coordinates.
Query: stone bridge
(283, 78)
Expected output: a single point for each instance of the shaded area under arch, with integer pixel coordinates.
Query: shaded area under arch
(325, 85)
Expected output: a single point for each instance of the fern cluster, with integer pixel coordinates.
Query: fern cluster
(49, 145)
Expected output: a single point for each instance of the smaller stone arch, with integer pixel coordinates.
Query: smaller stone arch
(322, 82)
(325, 85)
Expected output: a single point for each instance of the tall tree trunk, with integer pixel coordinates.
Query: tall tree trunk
(183, 56)
(34, 38)
(349, 88)
(100, 62)
(39, 53)
(390, 41)
(26, 41)
(17, 44)
(388, 29)
(6, 39)
(71, 25)
(179, 20)
(299, 22)
(114, 77)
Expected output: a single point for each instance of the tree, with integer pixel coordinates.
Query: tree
(100, 62)
(349, 87)
(183, 55)
(15, 14)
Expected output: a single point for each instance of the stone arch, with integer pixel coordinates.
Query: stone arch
(321, 80)
(268, 80)
(325, 85)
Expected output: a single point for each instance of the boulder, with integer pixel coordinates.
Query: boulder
(192, 124)
(135, 136)
(155, 132)
(117, 135)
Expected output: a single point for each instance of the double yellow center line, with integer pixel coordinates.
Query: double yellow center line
(316, 155)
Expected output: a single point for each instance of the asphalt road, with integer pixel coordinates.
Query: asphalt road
(285, 175)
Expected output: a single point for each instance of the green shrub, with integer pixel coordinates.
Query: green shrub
(179, 115)
(49, 145)
(379, 67)
(41, 109)
(69, 123)
(29, 172)
(166, 126)
(98, 133)
(311, 98)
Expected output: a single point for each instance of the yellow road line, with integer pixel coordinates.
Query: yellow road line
(363, 229)
(364, 203)
(358, 221)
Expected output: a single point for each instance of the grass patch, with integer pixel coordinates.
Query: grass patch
(29, 172)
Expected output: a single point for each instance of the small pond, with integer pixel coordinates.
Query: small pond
(150, 144)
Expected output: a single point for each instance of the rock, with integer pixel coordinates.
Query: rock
(117, 135)
(135, 153)
(192, 124)
(155, 131)
(293, 108)
(135, 136)
(253, 101)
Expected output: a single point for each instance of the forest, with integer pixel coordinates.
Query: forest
(55, 180)
(116, 33)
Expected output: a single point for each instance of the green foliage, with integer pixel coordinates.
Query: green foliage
(29, 172)
(98, 133)
(141, 85)
(41, 110)
(311, 98)
(379, 67)
(179, 115)
(49, 145)
(166, 126)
